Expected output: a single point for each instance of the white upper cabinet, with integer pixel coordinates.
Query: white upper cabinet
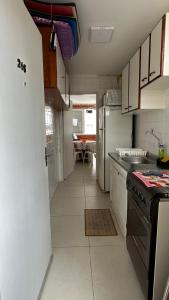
(148, 72)
(144, 71)
(134, 81)
(165, 46)
(155, 52)
(125, 89)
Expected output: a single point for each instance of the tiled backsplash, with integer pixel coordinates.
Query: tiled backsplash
(159, 121)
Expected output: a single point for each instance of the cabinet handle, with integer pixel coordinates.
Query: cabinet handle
(144, 79)
(152, 73)
(126, 108)
(130, 106)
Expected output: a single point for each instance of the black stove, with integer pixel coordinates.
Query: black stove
(147, 198)
(142, 217)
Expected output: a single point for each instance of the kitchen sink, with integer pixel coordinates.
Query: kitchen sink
(138, 160)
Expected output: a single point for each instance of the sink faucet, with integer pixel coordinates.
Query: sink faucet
(152, 132)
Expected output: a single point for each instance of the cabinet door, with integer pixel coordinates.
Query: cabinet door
(122, 205)
(113, 187)
(125, 89)
(111, 181)
(134, 81)
(155, 52)
(144, 62)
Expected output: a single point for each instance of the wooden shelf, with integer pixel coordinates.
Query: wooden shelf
(49, 59)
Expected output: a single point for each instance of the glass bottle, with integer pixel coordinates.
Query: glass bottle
(161, 151)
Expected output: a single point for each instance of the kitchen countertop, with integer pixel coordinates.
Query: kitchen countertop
(128, 167)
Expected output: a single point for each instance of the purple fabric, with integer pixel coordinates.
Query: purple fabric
(42, 21)
(65, 38)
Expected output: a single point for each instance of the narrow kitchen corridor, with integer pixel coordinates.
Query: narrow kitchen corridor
(86, 268)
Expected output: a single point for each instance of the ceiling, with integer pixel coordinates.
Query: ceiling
(132, 19)
(83, 99)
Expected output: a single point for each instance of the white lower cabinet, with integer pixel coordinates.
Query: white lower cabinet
(118, 194)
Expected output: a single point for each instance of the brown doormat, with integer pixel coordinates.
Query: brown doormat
(99, 222)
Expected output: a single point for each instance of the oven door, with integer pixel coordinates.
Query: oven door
(138, 229)
(138, 242)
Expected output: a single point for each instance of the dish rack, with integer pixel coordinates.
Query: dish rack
(131, 152)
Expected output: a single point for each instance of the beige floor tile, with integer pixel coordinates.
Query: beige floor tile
(113, 275)
(97, 202)
(96, 241)
(77, 176)
(91, 181)
(70, 191)
(69, 276)
(93, 190)
(72, 184)
(68, 231)
(65, 205)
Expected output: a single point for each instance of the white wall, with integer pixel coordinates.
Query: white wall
(157, 119)
(68, 161)
(92, 84)
(25, 241)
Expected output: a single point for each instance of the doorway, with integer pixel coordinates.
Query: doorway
(54, 151)
(84, 127)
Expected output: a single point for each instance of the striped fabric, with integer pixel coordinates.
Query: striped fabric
(66, 9)
(64, 19)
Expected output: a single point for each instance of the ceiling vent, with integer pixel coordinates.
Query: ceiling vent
(101, 34)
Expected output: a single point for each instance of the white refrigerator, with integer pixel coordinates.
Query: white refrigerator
(115, 131)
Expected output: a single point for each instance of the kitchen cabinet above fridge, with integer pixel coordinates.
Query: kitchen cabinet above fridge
(152, 69)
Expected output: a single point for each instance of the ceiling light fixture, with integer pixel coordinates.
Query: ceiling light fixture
(101, 34)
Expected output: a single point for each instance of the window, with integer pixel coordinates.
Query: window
(84, 121)
(90, 121)
(49, 120)
(78, 121)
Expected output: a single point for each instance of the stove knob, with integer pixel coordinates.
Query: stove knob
(142, 198)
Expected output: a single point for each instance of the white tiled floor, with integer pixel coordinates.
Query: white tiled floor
(95, 268)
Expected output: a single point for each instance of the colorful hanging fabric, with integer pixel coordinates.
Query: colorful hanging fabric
(66, 9)
(65, 38)
(64, 19)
